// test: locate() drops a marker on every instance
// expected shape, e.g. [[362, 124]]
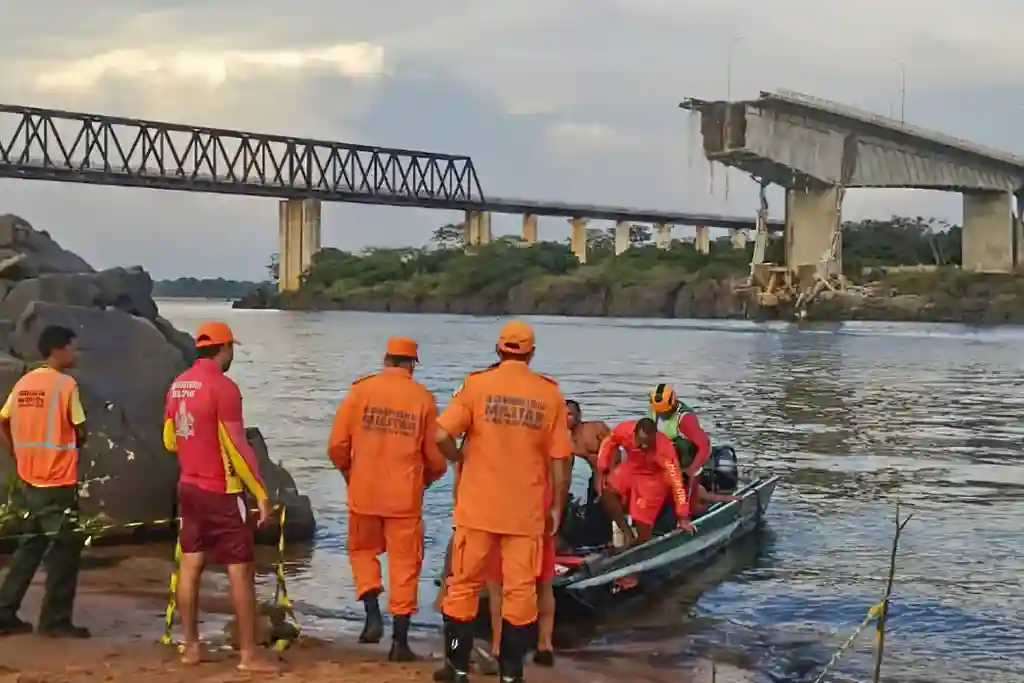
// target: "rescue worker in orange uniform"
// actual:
[[515, 424], [42, 425], [645, 479], [203, 424], [383, 441]]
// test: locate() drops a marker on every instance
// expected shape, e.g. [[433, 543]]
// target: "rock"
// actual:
[[42, 254], [299, 520], [128, 356]]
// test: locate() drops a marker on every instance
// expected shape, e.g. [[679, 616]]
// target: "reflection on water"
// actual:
[[855, 417]]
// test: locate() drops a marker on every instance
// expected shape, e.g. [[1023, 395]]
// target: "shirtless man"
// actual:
[[586, 436]]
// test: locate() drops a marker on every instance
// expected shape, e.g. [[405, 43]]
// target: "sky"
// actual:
[[565, 101]]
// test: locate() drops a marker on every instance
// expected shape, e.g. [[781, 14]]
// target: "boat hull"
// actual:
[[608, 584]]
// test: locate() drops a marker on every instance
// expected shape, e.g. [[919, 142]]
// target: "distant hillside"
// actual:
[[217, 288]]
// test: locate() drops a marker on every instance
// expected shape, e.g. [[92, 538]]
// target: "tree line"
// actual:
[[205, 288], [446, 267]]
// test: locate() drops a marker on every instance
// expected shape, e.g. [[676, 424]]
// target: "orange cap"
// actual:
[[516, 337], [404, 347], [214, 334]]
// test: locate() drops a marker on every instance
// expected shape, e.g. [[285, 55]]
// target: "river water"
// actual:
[[855, 417]]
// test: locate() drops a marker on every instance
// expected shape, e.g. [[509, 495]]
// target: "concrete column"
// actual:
[[811, 221], [988, 232], [578, 241], [738, 238], [621, 237], [662, 235], [485, 227], [299, 225], [529, 228], [478, 228], [702, 242]]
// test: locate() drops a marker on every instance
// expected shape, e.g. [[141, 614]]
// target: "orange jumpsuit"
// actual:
[[383, 441], [646, 477], [515, 422]]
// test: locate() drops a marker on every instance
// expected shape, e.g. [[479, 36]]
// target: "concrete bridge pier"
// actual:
[[702, 240], [299, 224], [578, 238], [621, 237], [989, 232], [811, 221], [738, 238], [662, 235], [478, 228], [529, 228]]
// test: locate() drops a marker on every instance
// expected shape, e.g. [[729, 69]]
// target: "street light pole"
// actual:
[[728, 95], [903, 92], [728, 66]]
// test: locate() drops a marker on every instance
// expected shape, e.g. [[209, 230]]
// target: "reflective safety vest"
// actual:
[[670, 428], [45, 443]]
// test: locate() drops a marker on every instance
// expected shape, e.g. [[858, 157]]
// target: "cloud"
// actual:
[[358, 60], [583, 139]]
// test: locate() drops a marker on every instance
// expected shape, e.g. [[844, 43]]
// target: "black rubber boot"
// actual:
[[458, 649], [373, 630], [514, 641], [544, 658], [400, 650]]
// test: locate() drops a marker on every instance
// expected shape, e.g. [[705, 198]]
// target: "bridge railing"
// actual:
[[49, 144]]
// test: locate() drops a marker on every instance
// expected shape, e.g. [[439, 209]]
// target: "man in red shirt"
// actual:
[[203, 424], [644, 479]]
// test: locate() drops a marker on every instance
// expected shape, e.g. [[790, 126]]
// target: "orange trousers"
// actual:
[[402, 539], [471, 559]]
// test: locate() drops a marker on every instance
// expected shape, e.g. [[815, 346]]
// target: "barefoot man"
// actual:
[[203, 424]]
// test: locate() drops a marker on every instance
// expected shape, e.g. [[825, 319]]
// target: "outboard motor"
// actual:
[[721, 473]]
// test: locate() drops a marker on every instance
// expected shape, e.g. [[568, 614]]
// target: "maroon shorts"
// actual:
[[216, 524]]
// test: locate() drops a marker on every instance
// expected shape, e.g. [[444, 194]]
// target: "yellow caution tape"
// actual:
[[873, 614], [280, 595]]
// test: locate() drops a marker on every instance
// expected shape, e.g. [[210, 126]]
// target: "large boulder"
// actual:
[[128, 357]]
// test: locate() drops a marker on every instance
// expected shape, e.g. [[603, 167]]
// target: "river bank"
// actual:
[[121, 600], [948, 296]]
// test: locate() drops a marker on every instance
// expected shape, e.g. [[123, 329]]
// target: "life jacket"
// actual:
[[670, 428]]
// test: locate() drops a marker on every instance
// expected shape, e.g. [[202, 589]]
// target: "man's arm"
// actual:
[[6, 439], [560, 457], [434, 462], [339, 443], [599, 431], [453, 422], [605, 452], [689, 427], [665, 453], [231, 431], [76, 413]]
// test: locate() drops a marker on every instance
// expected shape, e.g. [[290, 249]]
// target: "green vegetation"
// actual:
[[446, 269], [217, 288]]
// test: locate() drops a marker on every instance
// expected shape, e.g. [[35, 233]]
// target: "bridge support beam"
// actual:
[[621, 237], [811, 220], [578, 238], [702, 240], [299, 223], [738, 238], [988, 237], [662, 235], [529, 228], [478, 228]]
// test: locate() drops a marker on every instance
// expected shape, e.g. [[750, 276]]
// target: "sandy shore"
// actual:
[[122, 602]]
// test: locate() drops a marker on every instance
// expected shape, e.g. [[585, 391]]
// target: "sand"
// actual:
[[123, 601]]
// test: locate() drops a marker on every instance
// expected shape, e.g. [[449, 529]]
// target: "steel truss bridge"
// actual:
[[74, 147]]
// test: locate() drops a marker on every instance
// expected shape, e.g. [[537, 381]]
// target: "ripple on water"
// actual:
[[854, 416]]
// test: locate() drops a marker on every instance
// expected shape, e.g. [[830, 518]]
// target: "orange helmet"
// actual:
[[663, 399]]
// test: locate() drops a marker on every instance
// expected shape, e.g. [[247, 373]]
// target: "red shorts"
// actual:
[[644, 492], [547, 562], [216, 524]]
